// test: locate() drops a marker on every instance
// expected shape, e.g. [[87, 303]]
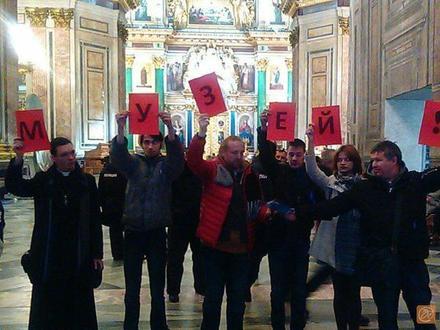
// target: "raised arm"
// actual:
[[203, 169], [14, 181], [314, 172], [175, 160], [266, 148], [120, 157]]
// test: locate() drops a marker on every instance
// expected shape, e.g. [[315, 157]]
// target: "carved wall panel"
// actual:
[[320, 76]]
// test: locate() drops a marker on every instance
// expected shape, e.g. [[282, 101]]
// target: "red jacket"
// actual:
[[217, 193]]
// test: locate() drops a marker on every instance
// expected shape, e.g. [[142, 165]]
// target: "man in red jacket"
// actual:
[[230, 206]]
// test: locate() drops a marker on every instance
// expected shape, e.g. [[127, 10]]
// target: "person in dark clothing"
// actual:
[[290, 243], [394, 238], [111, 193], [230, 206], [187, 190], [147, 212], [261, 232], [66, 246]]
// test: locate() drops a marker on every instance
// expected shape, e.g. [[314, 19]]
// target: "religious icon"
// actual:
[[275, 81], [178, 121], [245, 131], [247, 78], [141, 13]]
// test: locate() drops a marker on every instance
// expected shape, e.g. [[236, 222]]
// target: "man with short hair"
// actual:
[[230, 206], [146, 214], [66, 245], [289, 242], [394, 236]]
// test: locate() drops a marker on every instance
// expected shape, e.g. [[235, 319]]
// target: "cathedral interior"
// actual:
[[78, 60]]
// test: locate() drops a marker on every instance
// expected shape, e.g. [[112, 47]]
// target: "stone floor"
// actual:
[[15, 289]]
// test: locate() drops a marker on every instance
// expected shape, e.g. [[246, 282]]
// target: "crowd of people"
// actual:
[[370, 223]]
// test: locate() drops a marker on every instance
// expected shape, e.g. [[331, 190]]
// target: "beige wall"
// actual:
[[393, 45]]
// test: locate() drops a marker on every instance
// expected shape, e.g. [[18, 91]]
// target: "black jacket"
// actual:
[[292, 187], [70, 204], [376, 200], [186, 195], [111, 194]]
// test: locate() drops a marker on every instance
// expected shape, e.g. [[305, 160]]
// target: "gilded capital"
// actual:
[[129, 60], [37, 16], [344, 24], [262, 64], [294, 37], [61, 17], [158, 62], [289, 63], [122, 32]]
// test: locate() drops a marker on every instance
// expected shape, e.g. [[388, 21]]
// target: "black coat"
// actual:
[[75, 232], [376, 201], [111, 194], [292, 187], [186, 195]]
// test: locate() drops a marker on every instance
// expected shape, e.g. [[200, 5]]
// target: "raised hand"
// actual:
[[18, 148], [166, 119], [203, 125], [264, 117], [121, 119]]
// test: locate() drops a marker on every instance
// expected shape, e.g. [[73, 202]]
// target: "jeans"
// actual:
[[230, 271], [288, 266], [137, 245], [179, 237], [347, 301], [412, 278]]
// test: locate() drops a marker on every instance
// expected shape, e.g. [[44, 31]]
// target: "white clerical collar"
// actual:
[[63, 173]]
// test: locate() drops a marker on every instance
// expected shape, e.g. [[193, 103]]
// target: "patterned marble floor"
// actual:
[[15, 289]]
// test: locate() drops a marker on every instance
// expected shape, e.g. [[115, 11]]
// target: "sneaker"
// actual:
[[173, 298], [364, 321]]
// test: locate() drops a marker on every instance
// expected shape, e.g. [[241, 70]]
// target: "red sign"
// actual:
[[430, 130], [31, 129], [281, 121], [327, 125], [208, 95], [144, 113]]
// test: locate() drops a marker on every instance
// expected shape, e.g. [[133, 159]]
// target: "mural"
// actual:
[[141, 13], [175, 72], [211, 12], [275, 79], [246, 75], [179, 124], [277, 14], [246, 129]]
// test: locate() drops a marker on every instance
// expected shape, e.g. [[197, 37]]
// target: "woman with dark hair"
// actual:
[[337, 241]]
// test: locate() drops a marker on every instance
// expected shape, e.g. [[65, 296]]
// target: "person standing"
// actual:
[[336, 242], [394, 235], [65, 257], [230, 206], [290, 242], [187, 190], [111, 192], [146, 214]]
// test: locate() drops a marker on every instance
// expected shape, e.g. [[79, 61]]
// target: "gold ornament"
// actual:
[[61, 17], [344, 24], [37, 16], [262, 64], [158, 62]]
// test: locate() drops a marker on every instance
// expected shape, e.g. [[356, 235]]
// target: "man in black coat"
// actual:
[[66, 246], [394, 236], [111, 193], [289, 243], [187, 191]]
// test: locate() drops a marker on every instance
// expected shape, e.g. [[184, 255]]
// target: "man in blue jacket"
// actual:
[[147, 212]]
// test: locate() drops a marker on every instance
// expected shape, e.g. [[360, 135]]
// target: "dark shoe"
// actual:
[[248, 296], [364, 321], [173, 298]]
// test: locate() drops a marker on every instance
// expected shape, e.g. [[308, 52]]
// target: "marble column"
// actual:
[[343, 88], [262, 85], [129, 60], [62, 71], [159, 65], [8, 68], [289, 64], [37, 18]]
